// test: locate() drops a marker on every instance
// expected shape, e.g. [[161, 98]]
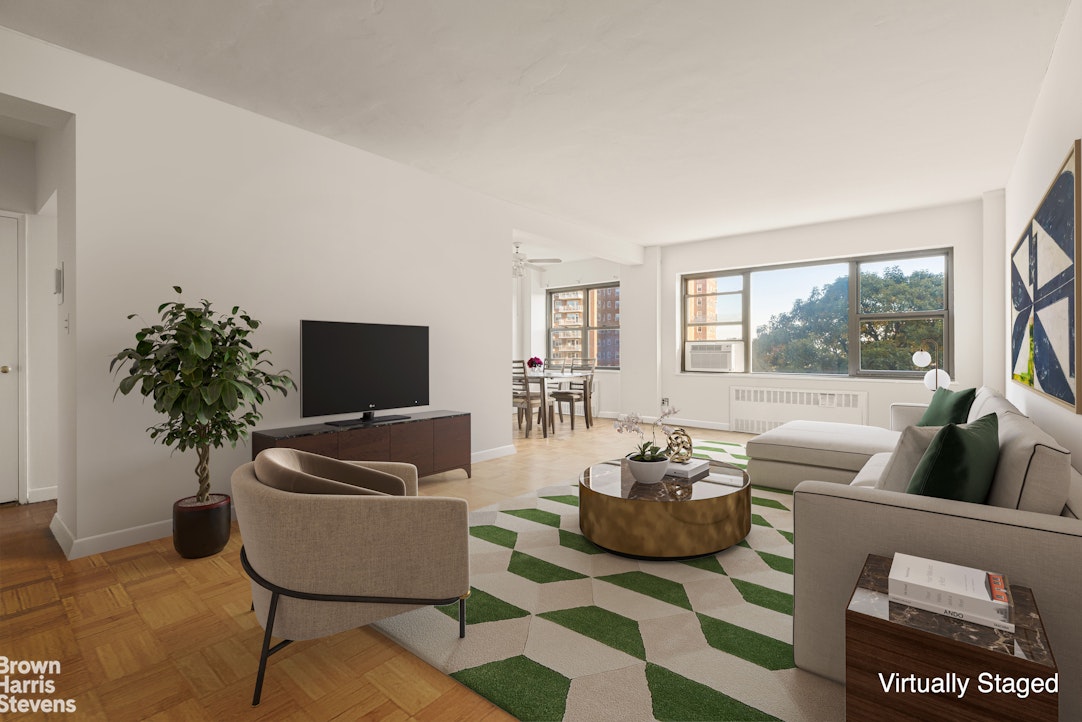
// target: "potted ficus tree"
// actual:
[[207, 379]]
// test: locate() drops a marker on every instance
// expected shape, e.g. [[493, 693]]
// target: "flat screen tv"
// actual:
[[362, 367]]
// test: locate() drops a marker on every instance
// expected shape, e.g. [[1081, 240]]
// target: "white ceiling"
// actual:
[[654, 121]]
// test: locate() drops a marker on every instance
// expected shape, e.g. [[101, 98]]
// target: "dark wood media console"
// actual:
[[433, 441]]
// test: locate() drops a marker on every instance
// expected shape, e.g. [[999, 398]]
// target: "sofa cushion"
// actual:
[[822, 443], [907, 454], [960, 462], [1034, 472], [948, 407], [989, 401]]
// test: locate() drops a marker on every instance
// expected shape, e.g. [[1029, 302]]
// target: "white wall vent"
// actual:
[[714, 356], [754, 410]]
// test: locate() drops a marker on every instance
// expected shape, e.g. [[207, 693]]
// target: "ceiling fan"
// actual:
[[519, 262]]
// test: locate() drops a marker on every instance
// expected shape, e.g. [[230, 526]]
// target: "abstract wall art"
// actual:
[[1045, 291]]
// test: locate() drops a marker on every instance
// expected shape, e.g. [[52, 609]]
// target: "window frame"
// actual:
[[584, 329], [855, 317]]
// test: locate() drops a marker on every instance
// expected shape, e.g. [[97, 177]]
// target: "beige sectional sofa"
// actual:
[[1029, 529]]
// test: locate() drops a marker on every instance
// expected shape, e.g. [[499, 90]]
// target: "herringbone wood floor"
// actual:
[[142, 634]]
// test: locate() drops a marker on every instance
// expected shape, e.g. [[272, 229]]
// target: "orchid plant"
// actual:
[[646, 450]]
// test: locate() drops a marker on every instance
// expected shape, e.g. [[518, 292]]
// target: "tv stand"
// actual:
[[433, 441], [367, 419]]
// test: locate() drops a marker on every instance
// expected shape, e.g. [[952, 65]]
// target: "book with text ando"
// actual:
[[965, 593]]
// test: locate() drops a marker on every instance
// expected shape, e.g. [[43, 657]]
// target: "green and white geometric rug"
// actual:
[[727, 451], [559, 629]]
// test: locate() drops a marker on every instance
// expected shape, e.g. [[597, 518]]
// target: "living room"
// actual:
[[153, 186]]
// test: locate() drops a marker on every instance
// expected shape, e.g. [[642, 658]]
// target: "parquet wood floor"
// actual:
[[142, 634]]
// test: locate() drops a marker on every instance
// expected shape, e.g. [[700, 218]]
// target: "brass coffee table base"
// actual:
[[680, 528]]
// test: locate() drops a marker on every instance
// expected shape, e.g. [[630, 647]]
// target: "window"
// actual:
[[585, 323], [861, 316]]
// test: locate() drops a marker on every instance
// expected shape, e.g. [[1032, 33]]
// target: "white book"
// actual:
[[955, 614], [723, 479], [689, 468], [952, 589]]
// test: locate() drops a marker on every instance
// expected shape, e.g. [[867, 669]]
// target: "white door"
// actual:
[[9, 356]]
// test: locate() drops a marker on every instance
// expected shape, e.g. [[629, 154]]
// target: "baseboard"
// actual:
[[62, 535], [112, 540], [47, 493], [489, 454], [715, 425], [674, 421]]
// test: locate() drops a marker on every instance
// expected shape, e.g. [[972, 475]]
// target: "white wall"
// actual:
[[703, 399], [1056, 122], [177, 189], [18, 180]]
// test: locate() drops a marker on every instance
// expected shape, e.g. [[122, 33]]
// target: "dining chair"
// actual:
[[577, 390], [528, 393], [556, 364]]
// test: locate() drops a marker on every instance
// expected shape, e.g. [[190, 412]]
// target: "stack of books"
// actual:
[[693, 469], [971, 595]]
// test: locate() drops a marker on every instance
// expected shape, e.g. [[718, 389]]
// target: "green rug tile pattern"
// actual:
[[560, 629], [578, 542], [526, 689], [495, 534], [679, 698], [537, 515], [651, 586], [569, 499], [603, 626], [540, 571], [746, 644], [483, 607], [710, 564]]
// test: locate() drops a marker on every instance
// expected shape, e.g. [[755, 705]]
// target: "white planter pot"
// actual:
[[648, 472]]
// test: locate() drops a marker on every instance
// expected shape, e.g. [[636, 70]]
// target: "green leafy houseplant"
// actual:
[[204, 376]]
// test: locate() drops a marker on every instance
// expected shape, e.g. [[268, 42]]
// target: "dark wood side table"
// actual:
[[883, 638]]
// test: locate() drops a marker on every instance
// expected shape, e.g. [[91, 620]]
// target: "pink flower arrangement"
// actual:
[[535, 363]]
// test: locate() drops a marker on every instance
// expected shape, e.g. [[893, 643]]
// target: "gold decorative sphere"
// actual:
[[679, 445]]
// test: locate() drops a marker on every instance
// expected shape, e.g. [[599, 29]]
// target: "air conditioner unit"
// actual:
[[714, 356]]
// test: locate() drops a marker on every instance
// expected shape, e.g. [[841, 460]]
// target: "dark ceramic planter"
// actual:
[[200, 530]]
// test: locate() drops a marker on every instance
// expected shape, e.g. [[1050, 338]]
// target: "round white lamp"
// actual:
[[937, 377]]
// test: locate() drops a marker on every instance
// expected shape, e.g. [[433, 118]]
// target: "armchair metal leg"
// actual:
[[267, 649], [462, 615]]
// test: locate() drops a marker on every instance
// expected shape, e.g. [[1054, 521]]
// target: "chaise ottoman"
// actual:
[[821, 450]]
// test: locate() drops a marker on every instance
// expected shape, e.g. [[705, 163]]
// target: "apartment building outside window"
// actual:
[[858, 317], [584, 322]]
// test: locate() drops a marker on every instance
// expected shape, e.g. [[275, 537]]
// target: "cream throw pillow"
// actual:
[[907, 454]]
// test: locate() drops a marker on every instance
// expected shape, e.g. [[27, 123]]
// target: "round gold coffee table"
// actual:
[[673, 519]]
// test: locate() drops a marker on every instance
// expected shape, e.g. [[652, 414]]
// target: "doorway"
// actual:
[[9, 359]]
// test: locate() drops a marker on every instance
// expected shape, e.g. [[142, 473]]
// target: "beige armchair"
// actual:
[[332, 545]]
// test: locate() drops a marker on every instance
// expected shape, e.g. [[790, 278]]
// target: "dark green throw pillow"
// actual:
[[960, 462], [948, 407]]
